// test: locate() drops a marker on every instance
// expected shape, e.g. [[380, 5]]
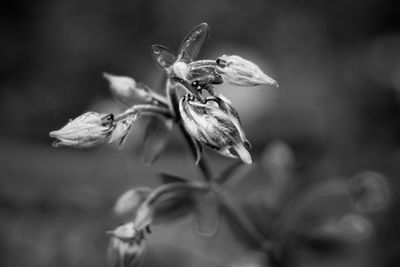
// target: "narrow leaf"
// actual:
[[169, 178], [164, 57], [155, 139], [207, 211], [192, 43], [229, 173]]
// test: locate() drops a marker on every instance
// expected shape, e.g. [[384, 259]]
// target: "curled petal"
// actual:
[[85, 131], [192, 43], [242, 72], [164, 57]]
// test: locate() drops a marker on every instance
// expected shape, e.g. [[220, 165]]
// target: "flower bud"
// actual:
[[213, 127], [126, 89], [242, 72], [87, 130], [125, 253]]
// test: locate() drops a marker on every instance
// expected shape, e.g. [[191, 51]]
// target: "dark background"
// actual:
[[338, 107]]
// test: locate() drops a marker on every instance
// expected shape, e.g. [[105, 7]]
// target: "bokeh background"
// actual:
[[338, 108]]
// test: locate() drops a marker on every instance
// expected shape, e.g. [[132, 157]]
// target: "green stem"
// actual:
[[144, 110]]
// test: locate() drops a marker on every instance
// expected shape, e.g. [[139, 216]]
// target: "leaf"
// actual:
[[155, 138], [164, 57], [192, 43], [278, 161], [369, 192], [319, 202], [168, 178], [175, 205], [121, 131], [207, 211], [228, 174], [131, 200]]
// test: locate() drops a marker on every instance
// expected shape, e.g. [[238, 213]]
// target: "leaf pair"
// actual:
[[188, 50]]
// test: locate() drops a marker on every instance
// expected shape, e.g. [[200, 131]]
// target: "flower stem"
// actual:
[[144, 110]]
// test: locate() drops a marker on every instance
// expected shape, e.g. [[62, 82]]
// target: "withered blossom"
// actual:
[[213, 127], [87, 130]]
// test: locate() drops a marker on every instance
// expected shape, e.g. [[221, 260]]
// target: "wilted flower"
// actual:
[[87, 130], [242, 72], [126, 246], [213, 127]]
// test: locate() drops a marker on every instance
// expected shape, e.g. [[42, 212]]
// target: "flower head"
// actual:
[[213, 126], [87, 130], [242, 72], [126, 246]]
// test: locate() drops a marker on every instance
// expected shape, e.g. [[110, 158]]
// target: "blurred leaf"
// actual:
[[369, 191], [351, 227], [325, 200], [155, 138], [207, 211], [164, 57], [192, 43], [233, 173], [278, 161], [131, 200], [169, 178], [175, 205]]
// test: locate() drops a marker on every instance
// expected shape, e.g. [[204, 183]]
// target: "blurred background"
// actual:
[[338, 108]]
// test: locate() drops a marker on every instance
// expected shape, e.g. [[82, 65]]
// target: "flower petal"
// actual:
[[164, 57], [192, 43]]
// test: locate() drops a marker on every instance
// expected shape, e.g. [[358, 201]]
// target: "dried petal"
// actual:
[[242, 72], [192, 43], [85, 131]]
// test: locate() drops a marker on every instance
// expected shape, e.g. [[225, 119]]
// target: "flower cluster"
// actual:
[[206, 118], [191, 100]]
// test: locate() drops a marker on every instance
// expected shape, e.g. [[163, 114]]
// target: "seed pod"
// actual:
[[213, 127], [87, 130], [242, 72]]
